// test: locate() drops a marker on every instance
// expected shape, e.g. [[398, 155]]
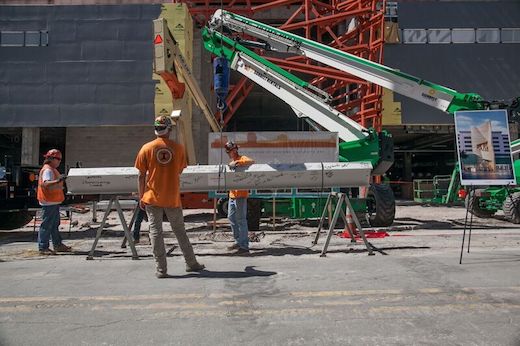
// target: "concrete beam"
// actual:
[[123, 180]]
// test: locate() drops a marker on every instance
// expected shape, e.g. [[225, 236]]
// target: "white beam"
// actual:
[[123, 180]]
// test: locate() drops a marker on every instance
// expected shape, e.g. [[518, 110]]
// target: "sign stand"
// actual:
[[341, 200], [115, 201], [470, 192]]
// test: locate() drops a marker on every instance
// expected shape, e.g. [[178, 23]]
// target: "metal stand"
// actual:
[[342, 199], [114, 200], [471, 189], [131, 224]]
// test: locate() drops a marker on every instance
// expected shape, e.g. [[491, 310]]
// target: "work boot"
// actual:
[[161, 275], [241, 252], [47, 252], [233, 247], [195, 268], [62, 248]]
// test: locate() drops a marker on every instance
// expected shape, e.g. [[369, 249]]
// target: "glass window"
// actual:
[[32, 38], [12, 38], [391, 11], [439, 36], [488, 35], [463, 35], [414, 36], [510, 35]]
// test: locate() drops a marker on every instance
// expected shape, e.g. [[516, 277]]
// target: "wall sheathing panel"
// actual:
[[95, 70]]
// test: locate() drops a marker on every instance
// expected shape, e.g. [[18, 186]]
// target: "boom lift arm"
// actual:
[[306, 101], [437, 96]]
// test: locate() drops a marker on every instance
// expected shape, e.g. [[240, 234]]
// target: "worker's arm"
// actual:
[[243, 161], [141, 188], [49, 179]]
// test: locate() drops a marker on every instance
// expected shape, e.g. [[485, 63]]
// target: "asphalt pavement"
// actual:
[[413, 291]]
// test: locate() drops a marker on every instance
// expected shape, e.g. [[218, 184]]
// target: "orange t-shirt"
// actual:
[[242, 161], [163, 160]]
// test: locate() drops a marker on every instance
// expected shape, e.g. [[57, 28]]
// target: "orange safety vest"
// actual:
[[53, 193]]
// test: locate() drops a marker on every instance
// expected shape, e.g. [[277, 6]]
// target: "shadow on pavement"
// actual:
[[249, 271]]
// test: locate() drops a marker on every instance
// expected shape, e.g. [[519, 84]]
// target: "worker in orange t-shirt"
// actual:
[[237, 206], [160, 164]]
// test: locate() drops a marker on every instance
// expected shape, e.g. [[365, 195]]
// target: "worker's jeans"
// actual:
[[137, 224], [49, 228], [237, 215], [174, 215]]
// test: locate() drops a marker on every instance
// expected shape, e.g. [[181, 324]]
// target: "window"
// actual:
[[488, 35], [24, 38], [415, 36], [12, 38], [391, 11], [439, 36], [510, 35], [463, 35]]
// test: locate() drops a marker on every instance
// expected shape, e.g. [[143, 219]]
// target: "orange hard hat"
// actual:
[[53, 153]]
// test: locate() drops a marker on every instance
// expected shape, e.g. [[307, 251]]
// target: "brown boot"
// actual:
[[195, 268], [47, 252], [62, 248], [233, 247]]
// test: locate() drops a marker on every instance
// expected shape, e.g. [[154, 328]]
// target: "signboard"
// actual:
[[276, 147], [484, 148]]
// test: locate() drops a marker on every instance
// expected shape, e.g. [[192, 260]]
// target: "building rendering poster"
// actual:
[[484, 148]]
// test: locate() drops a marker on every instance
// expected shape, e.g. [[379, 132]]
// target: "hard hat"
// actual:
[[230, 146], [53, 153], [162, 125]]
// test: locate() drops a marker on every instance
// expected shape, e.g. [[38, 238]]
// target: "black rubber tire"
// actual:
[[222, 207], [511, 208], [254, 213], [472, 204], [14, 220], [380, 205]]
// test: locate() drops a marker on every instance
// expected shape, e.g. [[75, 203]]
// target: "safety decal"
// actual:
[[164, 156]]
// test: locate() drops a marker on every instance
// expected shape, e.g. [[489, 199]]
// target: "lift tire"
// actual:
[[14, 220], [473, 206], [254, 213], [381, 205], [222, 207], [511, 208]]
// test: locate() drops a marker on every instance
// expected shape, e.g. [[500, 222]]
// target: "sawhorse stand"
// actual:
[[114, 200], [342, 200]]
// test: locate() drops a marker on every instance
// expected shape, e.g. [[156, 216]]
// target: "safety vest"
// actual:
[[53, 193]]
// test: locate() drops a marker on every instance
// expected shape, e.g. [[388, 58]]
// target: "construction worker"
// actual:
[[50, 195], [237, 206], [160, 164]]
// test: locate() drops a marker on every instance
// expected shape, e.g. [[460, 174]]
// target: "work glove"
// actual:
[[232, 165], [62, 178]]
